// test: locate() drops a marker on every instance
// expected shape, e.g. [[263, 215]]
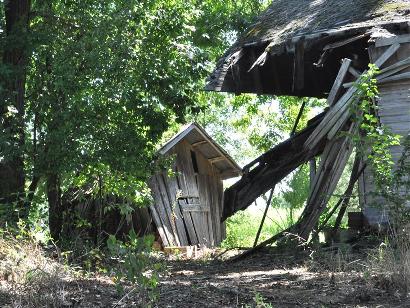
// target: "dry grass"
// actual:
[[28, 277], [389, 265]]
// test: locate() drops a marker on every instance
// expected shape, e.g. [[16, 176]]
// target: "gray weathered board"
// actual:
[[187, 206], [393, 112]]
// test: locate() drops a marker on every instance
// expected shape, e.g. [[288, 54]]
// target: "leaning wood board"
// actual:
[[160, 210]]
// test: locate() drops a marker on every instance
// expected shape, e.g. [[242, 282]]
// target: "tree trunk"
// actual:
[[55, 215], [12, 110]]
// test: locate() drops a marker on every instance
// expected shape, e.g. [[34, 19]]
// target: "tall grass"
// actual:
[[242, 227]]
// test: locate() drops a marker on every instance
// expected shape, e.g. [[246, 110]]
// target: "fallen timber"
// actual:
[[336, 149], [270, 168]]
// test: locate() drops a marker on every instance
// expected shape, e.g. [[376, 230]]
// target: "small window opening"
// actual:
[[194, 162]]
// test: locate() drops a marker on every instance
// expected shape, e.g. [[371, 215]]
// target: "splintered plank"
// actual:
[[336, 114], [333, 162], [337, 85]]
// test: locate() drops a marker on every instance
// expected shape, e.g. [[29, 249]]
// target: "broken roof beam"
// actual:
[[333, 162], [272, 167], [336, 88], [336, 117]]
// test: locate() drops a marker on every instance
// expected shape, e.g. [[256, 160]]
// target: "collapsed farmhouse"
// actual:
[[320, 49]]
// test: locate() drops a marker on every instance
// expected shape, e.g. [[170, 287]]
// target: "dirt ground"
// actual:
[[269, 277], [281, 280]]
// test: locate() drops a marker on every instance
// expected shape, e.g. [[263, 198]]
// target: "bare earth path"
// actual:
[[281, 280], [269, 277]]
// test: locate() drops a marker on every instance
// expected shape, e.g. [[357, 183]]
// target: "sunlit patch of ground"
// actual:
[[281, 280]]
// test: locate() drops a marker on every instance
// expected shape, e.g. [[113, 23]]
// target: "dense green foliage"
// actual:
[[104, 80]]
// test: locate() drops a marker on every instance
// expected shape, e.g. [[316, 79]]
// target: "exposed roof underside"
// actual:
[[307, 25], [195, 135]]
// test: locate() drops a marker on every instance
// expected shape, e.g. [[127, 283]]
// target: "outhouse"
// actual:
[[187, 203]]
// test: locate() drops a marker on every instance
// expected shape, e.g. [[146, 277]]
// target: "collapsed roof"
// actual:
[[291, 49]]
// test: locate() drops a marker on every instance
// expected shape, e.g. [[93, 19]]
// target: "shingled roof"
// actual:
[[272, 42]]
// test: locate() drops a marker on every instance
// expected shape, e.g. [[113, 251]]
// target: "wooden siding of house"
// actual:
[[393, 112], [187, 207]]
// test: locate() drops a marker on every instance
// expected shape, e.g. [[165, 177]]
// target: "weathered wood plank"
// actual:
[[394, 66], [345, 42], [299, 67], [387, 54], [184, 151], [195, 207], [160, 207], [337, 110], [355, 73], [398, 77], [386, 41], [173, 192], [204, 187], [334, 160], [167, 210], [336, 88], [193, 238], [216, 213], [159, 225], [338, 125]]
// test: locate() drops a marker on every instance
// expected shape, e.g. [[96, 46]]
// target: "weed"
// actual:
[[134, 265]]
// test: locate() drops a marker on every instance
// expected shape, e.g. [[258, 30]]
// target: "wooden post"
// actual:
[[263, 217], [312, 173], [295, 126]]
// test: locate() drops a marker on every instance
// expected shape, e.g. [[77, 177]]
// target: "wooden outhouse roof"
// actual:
[[310, 25], [198, 138]]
